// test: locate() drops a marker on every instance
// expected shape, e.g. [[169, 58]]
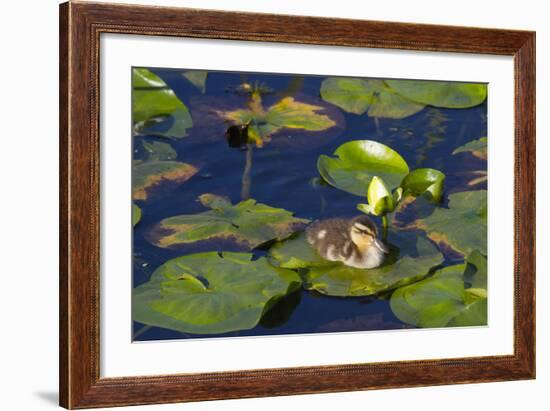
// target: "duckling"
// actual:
[[354, 241]]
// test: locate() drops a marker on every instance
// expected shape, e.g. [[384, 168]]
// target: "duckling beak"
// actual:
[[381, 246]]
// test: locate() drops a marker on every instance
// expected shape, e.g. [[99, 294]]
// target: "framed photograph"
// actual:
[[259, 205]]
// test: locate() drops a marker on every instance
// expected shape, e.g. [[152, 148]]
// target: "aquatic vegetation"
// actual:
[[446, 94], [211, 293], [248, 223], [478, 148], [136, 214], [462, 226], [368, 167], [371, 96], [454, 296], [158, 151], [197, 78], [411, 262], [154, 102], [152, 173]]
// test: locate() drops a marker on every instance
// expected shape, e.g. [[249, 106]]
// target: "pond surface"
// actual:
[[283, 175]]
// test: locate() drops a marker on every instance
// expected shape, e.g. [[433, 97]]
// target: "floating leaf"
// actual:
[[248, 223], [136, 214], [357, 162], [424, 181], [478, 148], [440, 301], [462, 226], [447, 94], [370, 96], [159, 151], [286, 113], [149, 174], [211, 293], [153, 101], [197, 78], [408, 264], [475, 275]]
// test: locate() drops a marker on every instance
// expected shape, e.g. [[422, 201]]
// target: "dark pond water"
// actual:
[[282, 177]]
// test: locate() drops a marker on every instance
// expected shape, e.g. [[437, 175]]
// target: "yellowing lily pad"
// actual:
[[285, 114], [355, 163], [448, 94], [154, 102], [478, 148], [248, 223], [370, 96], [150, 174], [443, 300], [136, 214], [408, 265], [463, 225], [211, 293]]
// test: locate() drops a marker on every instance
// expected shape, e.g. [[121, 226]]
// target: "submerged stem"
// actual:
[[246, 181], [384, 226]]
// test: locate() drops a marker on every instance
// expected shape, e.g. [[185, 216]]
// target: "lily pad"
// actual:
[[286, 113], [440, 301], [136, 214], [295, 252], [426, 181], [149, 174], [197, 78], [462, 226], [370, 96], [154, 102], [211, 293], [159, 151], [447, 94], [248, 223], [478, 148], [410, 263], [357, 162]]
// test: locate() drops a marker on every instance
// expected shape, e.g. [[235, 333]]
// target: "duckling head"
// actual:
[[364, 234]]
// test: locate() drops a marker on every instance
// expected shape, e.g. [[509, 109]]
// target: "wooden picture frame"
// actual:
[[80, 27]]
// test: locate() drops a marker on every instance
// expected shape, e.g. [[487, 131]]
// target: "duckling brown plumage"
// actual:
[[351, 241]]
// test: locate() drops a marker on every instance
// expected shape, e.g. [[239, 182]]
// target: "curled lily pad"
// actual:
[[136, 214], [409, 266], [355, 163], [442, 300], [149, 174], [248, 223], [447, 94], [370, 96], [424, 181], [211, 293], [478, 148], [158, 151], [462, 226], [197, 78], [287, 113], [153, 102]]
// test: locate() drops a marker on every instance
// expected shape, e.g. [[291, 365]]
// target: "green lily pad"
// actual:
[[357, 162], [149, 174], [159, 151], [440, 301], [248, 223], [462, 226], [447, 94], [424, 181], [136, 214], [197, 78], [153, 102], [403, 266], [295, 252], [478, 148], [370, 96], [475, 275], [286, 113], [211, 293]]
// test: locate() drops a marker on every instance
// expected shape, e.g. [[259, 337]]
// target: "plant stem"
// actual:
[[246, 181], [385, 226]]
